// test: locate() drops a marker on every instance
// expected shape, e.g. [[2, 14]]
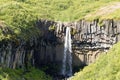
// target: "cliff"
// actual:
[[89, 39], [105, 65]]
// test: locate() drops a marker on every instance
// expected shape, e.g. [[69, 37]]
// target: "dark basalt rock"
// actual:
[[89, 39]]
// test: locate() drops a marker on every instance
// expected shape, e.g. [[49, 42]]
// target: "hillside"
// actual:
[[60, 10], [107, 67], [32, 35], [20, 16], [19, 74]]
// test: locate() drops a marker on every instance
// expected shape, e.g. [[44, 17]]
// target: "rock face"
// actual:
[[89, 39]]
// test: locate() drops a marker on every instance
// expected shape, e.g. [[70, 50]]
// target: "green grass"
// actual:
[[18, 74], [113, 15], [107, 67], [20, 16], [18, 20]]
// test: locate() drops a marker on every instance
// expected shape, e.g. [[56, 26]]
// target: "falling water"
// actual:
[[67, 59]]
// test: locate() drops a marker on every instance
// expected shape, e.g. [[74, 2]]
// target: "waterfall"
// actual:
[[67, 58]]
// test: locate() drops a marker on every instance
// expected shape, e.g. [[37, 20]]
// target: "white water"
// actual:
[[67, 58]]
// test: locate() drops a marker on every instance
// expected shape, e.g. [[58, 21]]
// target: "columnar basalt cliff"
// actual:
[[93, 38], [89, 39]]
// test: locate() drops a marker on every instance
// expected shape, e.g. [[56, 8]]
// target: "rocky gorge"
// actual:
[[89, 40]]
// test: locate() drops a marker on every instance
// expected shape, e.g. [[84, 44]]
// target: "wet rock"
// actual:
[[89, 39]]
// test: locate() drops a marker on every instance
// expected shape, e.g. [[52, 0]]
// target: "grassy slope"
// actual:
[[107, 67], [20, 15], [17, 74]]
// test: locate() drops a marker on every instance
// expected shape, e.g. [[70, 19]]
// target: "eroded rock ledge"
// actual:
[[89, 39]]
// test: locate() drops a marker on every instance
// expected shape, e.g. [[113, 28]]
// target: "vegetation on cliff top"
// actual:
[[20, 16], [107, 67]]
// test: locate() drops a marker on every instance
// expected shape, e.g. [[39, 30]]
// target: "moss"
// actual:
[[52, 27], [100, 23], [19, 74], [73, 31]]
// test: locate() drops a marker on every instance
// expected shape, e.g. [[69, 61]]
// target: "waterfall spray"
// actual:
[[67, 58]]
